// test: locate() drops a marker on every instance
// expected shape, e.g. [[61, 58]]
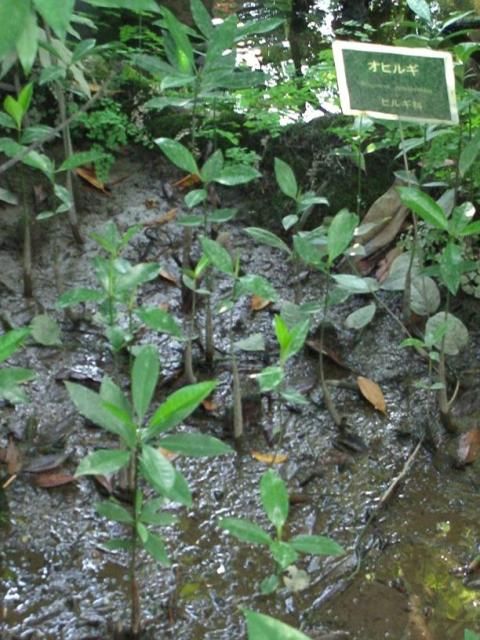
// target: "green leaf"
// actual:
[[217, 216], [283, 553], [144, 379], [460, 218], [82, 49], [201, 17], [254, 342], [111, 394], [138, 6], [252, 27], [177, 407], [52, 74], [114, 511], [262, 627], [425, 296], [159, 320], [76, 296], [340, 233], [298, 335], [56, 14], [27, 43], [14, 17], [316, 545], [254, 284], [14, 110], [274, 498], [269, 378], [361, 317], [268, 586], [292, 396], [10, 378], [267, 237], [178, 154], [132, 276], [119, 544], [471, 229], [424, 206], [282, 333], [233, 175], [212, 168], [445, 328], [11, 341], [46, 331], [180, 491], [218, 255], [286, 178], [451, 261], [80, 158], [245, 530], [356, 284], [156, 469], [421, 9], [155, 546], [195, 197], [196, 445], [181, 52], [103, 462], [90, 405], [469, 154], [470, 635]]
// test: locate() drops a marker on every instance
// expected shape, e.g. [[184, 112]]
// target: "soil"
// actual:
[[403, 573]]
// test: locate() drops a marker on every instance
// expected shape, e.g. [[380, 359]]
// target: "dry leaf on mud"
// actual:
[[89, 176], [372, 392], [165, 275], [13, 458], [269, 458], [151, 203], [258, 303], [50, 480], [209, 405], [468, 447], [192, 180], [170, 215]]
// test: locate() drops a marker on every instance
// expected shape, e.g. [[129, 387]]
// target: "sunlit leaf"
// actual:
[[285, 178], [269, 458], [144, 378], [424, 206]]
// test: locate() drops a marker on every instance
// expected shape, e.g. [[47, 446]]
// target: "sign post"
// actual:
[[395, 83]]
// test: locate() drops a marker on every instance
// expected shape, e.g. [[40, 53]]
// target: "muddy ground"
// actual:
[[58, 580]]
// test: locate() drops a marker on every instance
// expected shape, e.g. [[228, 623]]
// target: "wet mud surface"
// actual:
[[58, 580]]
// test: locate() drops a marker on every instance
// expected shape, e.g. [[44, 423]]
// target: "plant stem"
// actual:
[[325, 390], [135, 620]]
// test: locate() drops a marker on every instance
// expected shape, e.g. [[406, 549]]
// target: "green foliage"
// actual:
[[12, 377], [262, 627], [275, 503]]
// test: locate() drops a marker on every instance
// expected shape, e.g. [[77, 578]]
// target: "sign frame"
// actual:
[[346, 99]]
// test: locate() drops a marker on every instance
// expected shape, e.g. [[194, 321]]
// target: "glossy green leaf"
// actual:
[[267, 237], [138, 6], [133, 276], [81, 158], [445, 329], [195, 444], [178, 406], [340, 233], [286, 178], [103, 462], [262, 627], [156, 469], [298, 335], [45, 331], [356, 284], [421, 8], [233, 175], [181, 53], [8, 196], [27, 43], [111, 394], [90, 405], [178, 154], [114, 511], [195, 197], [14, 110], [56, 14], [471, 229], [283, 553], [424, 206], [269, 585], [11, 341], [218, 255], [245, 530], [217, 216], [316, 545], [159, 320], [254, 284], [254, 342], [292, 396], [451, 261], [10, 378], [424, 296], [76, 296], [14, 16], [212, 168], [361, 317], [155, 546], [82, 49], [269, 378], [180, 492], [201, 17], [145, 372], [469, 154], [274, 498]]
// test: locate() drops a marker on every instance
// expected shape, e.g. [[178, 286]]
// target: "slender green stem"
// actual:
[[325, 390]]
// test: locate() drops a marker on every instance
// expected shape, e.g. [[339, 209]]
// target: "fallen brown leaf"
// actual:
[[13, 458], [269, 458], [469, 446], [164, 275], [192, 180], [209, 405], [89, 176], [372, 392], [258, 303], [50, 480], [170, 215]]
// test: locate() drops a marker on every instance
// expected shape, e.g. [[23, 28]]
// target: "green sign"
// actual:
[[395, 83]]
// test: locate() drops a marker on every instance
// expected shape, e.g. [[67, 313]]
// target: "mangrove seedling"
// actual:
[[141, 457], [284, 552], [12, 377]]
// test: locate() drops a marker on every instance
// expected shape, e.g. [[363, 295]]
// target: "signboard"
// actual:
[[395, 83]]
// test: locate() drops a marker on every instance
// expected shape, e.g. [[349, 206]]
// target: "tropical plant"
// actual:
[[141, 458], [284, 552], [12, 377], [263, 627]]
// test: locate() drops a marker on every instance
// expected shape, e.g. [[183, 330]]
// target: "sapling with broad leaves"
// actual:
[[284, 551], [140, 456], [445, 331], [263, 627]]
